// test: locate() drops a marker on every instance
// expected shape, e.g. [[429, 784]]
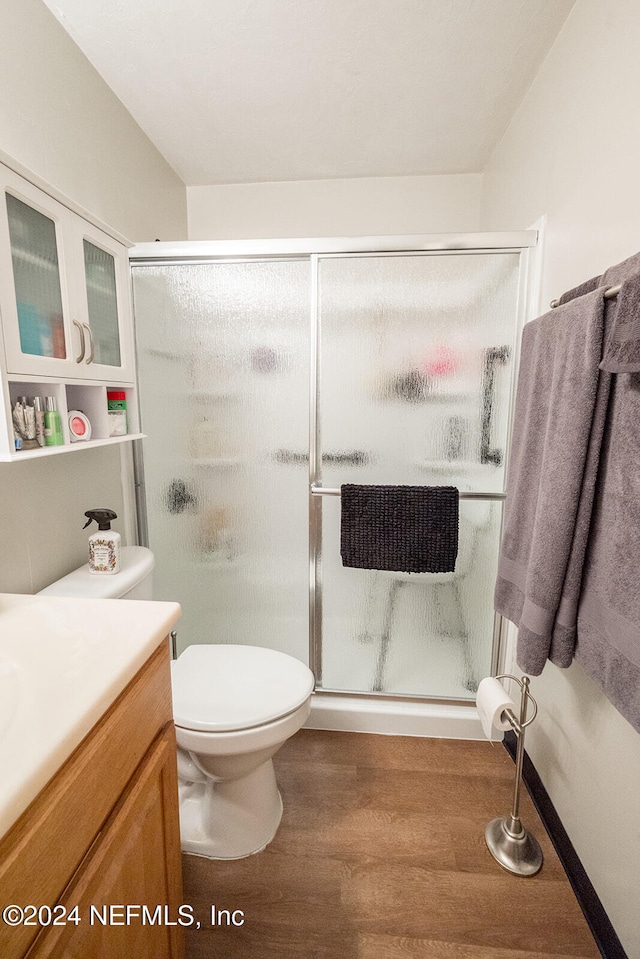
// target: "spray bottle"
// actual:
[[104, 546]]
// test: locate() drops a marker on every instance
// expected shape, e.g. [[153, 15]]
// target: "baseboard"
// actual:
[[603, 932]]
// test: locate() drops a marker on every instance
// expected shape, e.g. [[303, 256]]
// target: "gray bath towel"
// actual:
[[558, 424], [564, 634], [405, 528], [608, 645], [587, 287], [622, 348]]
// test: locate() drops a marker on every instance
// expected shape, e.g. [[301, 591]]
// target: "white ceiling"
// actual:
[[234, 91]]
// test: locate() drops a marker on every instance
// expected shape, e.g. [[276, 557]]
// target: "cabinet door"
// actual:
[[34, 295], [101, 272], [64, 290], [135, 862]]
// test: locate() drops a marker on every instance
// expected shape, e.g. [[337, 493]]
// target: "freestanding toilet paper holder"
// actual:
[[509, 842]]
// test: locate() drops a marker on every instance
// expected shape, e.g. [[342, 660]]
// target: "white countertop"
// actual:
[[63, 662]]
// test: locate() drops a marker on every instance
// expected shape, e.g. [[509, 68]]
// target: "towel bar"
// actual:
[[608, 295], [335, 491]]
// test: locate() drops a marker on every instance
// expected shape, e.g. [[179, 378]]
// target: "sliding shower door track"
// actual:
[[416, 698]]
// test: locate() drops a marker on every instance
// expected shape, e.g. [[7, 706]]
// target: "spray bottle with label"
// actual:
[[104, 546]]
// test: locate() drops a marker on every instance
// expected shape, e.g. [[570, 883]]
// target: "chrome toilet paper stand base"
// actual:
[[509, 842]]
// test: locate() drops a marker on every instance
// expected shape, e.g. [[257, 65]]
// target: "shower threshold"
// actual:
[[394, 717]]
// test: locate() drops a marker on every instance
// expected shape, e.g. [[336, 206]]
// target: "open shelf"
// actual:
[[22, 455], [90, 399]]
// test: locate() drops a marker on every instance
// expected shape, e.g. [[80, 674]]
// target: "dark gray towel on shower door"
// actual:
[[404, 528], [558, 425]]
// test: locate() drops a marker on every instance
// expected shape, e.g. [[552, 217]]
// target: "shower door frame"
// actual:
[[316, 249]]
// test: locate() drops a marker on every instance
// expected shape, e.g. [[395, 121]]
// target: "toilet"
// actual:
[[234, 706]]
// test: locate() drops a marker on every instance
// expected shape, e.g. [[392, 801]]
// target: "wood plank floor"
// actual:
[[381, 855]]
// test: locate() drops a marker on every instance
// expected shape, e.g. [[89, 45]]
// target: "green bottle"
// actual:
[[52, 424]]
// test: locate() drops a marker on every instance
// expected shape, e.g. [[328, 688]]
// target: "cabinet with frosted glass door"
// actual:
[[64, 290]]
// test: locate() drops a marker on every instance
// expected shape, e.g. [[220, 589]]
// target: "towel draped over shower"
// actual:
[[412, 529], [568, 571]]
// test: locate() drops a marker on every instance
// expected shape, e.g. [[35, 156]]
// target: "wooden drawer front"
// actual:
[[44, 848]]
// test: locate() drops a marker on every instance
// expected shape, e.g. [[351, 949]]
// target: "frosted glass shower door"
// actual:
[[414, 370], [224, 379]]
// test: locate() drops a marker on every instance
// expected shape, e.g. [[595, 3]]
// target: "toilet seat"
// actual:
[[224, 687]]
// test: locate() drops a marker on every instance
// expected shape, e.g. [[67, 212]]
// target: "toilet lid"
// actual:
[[218, 688]]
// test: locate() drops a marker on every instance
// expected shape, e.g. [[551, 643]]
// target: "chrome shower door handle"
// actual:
[[492, 357], [91, 345], [80, 358]]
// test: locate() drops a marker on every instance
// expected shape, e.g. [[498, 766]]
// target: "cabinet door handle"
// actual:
[[91, 354], [80, 358]]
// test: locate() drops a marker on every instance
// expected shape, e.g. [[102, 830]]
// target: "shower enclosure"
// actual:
[[272, 373]]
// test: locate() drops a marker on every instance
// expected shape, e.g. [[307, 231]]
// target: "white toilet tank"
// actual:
[[134, 581]]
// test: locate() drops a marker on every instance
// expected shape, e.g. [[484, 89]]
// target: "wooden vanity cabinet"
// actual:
[[104, 835]]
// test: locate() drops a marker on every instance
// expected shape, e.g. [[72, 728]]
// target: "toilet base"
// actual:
[[230, 819]]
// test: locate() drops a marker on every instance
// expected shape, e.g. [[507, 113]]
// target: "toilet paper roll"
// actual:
[[492, 699]]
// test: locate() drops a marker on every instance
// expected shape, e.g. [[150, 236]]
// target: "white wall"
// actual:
[[370, 206], [60, 120], [571, 152]]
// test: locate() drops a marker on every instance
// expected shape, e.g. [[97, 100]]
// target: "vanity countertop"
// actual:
[[63, 662]]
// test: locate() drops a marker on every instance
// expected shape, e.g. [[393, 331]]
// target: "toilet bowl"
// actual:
[[234, 706]]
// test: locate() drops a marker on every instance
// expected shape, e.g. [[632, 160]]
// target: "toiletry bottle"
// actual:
[[39, 408], [52, 424], [104, 546], [117, 410]]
